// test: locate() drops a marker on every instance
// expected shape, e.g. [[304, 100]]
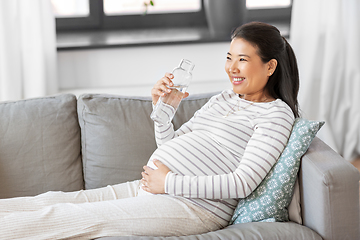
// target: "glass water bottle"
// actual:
[[167, 105]]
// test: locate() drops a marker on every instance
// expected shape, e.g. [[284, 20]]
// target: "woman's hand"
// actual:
[[153, 180], [161, 88]]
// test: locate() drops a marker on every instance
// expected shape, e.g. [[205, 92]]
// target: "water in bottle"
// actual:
[[167, 105]]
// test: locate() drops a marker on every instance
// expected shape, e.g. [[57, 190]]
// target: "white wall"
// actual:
[[134, 70]]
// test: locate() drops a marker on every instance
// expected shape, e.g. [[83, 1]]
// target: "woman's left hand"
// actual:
[[153, 180]]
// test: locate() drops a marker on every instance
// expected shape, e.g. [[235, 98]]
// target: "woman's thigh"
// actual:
[[153, 215], [158, 215]]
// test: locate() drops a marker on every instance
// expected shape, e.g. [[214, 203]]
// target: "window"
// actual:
[[70, 8], [128, 7], [269, 10], [129, 14], [257, 4]]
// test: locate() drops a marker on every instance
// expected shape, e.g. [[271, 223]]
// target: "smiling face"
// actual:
[[247, 72]]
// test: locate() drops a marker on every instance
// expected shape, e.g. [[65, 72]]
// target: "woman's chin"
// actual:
[[237, 90]]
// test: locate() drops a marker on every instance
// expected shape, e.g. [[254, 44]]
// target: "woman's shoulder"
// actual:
[[275, 114], [279, 104], [278, 109]]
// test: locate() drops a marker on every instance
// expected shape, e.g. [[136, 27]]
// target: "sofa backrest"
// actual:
[[39, 146], [118, 135]]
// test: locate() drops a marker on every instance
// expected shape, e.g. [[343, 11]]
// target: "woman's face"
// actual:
[[247, 72]]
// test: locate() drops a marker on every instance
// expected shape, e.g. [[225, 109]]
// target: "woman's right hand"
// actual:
[[160, 89]]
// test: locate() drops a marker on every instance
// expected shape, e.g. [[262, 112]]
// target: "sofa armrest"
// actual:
[[329, 187]]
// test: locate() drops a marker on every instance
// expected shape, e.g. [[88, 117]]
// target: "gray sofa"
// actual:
[[64, 143]]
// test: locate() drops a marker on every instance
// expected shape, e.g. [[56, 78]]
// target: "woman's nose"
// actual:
[[233, 68]]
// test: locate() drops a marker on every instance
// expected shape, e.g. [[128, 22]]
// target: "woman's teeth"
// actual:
[[238, 79]]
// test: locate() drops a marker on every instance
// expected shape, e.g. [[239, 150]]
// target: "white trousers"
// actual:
[[110, 211]]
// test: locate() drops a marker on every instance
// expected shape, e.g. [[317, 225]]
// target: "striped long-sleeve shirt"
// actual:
[[224, 151]]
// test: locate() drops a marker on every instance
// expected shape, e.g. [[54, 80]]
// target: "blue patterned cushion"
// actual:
[[270, 200]]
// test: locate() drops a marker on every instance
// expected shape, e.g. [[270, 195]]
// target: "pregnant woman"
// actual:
[[194, 179]]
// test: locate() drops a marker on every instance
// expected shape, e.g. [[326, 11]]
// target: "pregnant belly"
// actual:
[[195, 154]]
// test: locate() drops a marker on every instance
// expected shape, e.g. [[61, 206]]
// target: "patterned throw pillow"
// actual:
[[270, 200]]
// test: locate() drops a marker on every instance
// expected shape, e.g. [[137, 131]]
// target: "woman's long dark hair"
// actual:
[[284, 82]]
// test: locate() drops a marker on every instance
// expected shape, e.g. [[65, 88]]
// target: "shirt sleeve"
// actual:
[[261, 153], [166, 132]]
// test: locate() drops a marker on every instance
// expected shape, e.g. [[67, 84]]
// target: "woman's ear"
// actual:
[[272, 64]]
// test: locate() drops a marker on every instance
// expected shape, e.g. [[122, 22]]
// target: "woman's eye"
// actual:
[[242, 59], [228, 58]]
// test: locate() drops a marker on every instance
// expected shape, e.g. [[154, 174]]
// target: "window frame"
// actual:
[[93, 21], [282, 14], [97, 20]]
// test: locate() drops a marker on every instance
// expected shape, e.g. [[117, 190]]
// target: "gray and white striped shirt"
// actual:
[[224, 151]]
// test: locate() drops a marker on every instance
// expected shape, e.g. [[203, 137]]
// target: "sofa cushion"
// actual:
[[40, 146], [118, 135], [244, 231], [270, 200]]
